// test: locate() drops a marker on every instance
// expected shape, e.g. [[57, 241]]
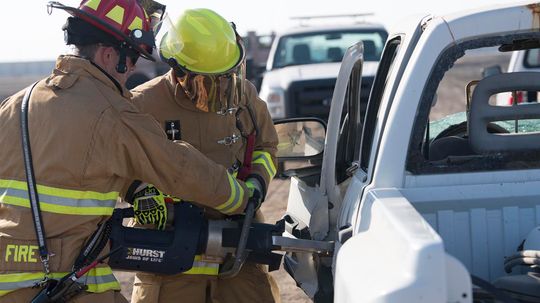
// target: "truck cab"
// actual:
[[304, 61], [430, 193]]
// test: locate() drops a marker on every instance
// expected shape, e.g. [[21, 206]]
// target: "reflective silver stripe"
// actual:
[[237, 192], [97, 279], [203, 268], [86, 279], [198, 264], [17, 285], [58, 200]]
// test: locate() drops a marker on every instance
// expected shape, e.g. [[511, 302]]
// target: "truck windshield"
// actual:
[[328, 46]]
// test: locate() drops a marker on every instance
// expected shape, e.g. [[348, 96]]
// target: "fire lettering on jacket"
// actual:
[[21, 253]]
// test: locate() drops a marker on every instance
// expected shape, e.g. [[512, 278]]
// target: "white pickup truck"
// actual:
[[304, 61], [428, 197]]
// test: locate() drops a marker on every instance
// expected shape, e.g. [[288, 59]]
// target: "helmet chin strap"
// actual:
[[121, 67], [176, 67]]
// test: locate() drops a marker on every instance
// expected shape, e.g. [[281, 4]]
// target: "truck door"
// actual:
[[309, 212], [396, 54]]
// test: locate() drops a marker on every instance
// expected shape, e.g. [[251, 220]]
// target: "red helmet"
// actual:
[[125, 20]]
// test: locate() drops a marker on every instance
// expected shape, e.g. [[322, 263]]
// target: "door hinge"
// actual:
[[354, 166]]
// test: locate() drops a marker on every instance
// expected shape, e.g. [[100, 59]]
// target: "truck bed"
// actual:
[[480, 224]]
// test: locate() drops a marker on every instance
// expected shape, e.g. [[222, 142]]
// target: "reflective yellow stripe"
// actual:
[[64, 193], [116, 14], [263, 158], [203, 268], [235, 199], [135, 24], [57, 200], [93, 4], [12, 282], [98, 280]]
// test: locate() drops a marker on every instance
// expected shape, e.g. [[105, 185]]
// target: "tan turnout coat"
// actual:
[[88, 144]]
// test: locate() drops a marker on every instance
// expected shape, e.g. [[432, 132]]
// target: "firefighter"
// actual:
[[87, 143], [205, 100]]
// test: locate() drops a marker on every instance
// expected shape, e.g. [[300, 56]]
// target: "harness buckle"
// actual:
[[229, 140], [228, 111]]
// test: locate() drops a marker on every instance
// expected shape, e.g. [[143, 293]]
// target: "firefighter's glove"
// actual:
[[255, 192], [149, 206]]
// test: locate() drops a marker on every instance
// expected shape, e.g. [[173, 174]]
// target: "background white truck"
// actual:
[[521, 61], [304, 61], [427, 189]]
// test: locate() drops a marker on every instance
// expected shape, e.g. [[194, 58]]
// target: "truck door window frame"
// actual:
[[357, 127], [385, 66], [350, 125]]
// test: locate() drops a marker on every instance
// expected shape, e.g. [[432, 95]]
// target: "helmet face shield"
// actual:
[[215, 93], [167, 38], [155, 12]]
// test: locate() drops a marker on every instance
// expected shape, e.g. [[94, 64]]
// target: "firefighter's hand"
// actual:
[[149, 206], [255, 192]]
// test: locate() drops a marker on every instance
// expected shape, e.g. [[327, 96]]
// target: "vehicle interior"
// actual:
[[511, 102]]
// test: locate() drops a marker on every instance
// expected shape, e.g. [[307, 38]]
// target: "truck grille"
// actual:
[[312, 98]]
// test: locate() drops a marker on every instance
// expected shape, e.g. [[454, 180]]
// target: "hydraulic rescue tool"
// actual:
[[230, 242]]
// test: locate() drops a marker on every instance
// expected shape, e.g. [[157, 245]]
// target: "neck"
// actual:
[[116, 83]]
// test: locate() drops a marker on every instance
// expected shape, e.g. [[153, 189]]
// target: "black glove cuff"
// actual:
[[262, 182], [130, 194]]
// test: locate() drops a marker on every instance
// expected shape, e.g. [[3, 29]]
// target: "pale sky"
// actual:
[[30, 34]]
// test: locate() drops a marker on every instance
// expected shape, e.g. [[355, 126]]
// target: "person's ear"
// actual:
[[110, 56], [106, 57]]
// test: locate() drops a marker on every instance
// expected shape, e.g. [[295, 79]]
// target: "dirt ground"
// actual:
[[273, 209]]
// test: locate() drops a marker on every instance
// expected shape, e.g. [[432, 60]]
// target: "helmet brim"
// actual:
[[104, 26]]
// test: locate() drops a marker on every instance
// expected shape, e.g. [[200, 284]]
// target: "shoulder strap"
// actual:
[[31, 181], [245, 170]]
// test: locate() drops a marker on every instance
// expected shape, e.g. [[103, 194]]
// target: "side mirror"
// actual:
[[300, 138]]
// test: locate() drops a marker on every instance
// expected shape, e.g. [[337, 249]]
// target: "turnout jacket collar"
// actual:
[[179, 96], [72, 65]]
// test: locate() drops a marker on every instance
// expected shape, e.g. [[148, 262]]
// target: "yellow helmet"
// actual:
[[202, 42]]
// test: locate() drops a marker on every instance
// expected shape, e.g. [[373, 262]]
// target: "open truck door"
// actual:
[[321, 185]]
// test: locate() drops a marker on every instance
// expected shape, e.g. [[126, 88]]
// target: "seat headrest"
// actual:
[[370, 50], [301, 54], [334, 54]]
